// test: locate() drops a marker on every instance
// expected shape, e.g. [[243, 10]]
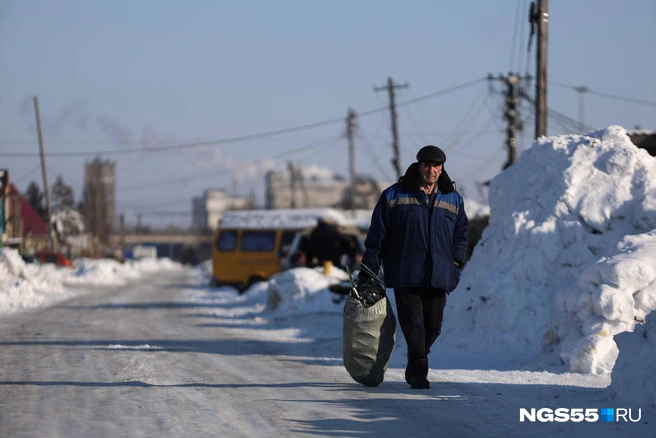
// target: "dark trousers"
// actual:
[[420, 311]]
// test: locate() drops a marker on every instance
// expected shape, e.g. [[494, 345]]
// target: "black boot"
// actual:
[[419, 382], [416, 372]]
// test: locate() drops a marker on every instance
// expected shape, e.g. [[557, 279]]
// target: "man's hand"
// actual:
[[363, 278]]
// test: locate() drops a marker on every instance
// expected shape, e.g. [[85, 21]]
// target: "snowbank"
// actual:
[[569, 257], [476, 209], [27, 286], [24, 287], [304, 290], [634, 375]]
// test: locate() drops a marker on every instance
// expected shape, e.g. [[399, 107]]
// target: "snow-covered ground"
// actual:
[[30, 285], [558, 292]]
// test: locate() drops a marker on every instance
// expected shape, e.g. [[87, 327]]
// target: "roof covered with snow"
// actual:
[[292, 218]]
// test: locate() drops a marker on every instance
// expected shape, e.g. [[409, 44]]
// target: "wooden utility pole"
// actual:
[[350, 130], [396, 161], [138, 228], [292, 184], [581, 90], [511, 115], [122, 230], [43, 172], [540, 19]]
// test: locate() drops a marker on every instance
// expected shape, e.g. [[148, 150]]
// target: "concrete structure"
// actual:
[[306, 190], [286, 191], [100, 197], [208, 209]]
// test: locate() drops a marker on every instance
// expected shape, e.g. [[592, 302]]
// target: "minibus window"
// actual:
[[258, 240], [227, 241], [287, 238]]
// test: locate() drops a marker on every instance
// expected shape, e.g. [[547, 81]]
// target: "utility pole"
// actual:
[[292, 184], [396, 161], [581, 90], [511, 115], [350, 130], [43, 172], [138, 228], [540, 18], [122, 230]]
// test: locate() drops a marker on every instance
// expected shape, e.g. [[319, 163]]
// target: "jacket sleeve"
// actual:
[[460, 235], [376, 236]]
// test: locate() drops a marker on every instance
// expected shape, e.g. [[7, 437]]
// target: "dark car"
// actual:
[[56, 258], [29, 258], [300, 253]]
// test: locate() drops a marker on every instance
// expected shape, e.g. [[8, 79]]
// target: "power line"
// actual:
[[452, 140], [231, 168], [488, 161], [561, 118], [522, 36], [476, 135], [514, 37], [435, 94], [417, 131], [609, 95], [241, 138], [374, 158], [420, 109], [15, 181]]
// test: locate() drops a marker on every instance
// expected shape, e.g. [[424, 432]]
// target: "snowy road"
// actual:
[[147, 360]]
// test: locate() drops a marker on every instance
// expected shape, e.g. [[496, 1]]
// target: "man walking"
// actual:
[[418, 235]]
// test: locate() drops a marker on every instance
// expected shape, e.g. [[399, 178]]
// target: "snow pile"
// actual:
[[569, 257], [154, 265], [476, 209], [108, 271], [101, 271], [304, 289], [70, 228], [26, 286], [634, 374], [11, 264], [23, 286]]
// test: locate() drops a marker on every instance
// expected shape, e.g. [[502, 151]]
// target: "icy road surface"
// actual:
[[151, 360]]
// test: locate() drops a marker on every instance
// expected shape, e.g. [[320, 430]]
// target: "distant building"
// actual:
[[24, 228], [100, 197], [208, 209], [318, 188]]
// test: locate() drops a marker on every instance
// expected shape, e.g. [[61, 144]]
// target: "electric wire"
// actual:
[[245, 137], [608, 95], [407, 111], [21, 178], [522, 35], [369, 149], [229, 169], [451, 141], [514, 37]]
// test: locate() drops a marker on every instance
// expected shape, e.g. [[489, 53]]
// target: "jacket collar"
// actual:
[[410, 181]]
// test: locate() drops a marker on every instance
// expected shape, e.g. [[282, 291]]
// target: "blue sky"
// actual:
[[144, 74]]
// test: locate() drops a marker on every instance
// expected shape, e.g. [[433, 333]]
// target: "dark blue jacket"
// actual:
[[417, 243]]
